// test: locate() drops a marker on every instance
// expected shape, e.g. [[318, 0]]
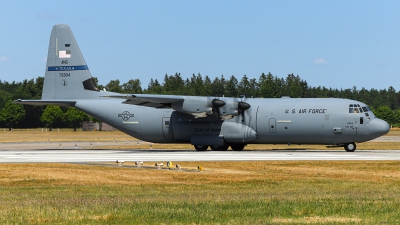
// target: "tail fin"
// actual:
[[67, 75]]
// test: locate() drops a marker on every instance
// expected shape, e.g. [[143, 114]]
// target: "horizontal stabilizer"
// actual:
[[45, 102]]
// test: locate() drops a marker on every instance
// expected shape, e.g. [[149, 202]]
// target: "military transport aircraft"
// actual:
[[215, 122]]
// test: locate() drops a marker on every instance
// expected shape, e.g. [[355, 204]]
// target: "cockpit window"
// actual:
[[356, 108]]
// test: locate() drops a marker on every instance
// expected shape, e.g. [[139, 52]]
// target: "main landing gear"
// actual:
[[219, 148], [201, 147], [238, 147], [235, 147], [350, 147]]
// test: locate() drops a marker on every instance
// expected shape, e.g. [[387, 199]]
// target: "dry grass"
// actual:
[[63, 135], [214, 172], [395, 131]]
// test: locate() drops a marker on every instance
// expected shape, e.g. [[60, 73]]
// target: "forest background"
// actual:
[[384, 103]]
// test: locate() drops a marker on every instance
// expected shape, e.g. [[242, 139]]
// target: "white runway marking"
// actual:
[[51, 152], [189, 155]]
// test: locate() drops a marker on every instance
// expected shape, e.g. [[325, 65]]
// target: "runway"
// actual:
[[81, 152], [83, 156]]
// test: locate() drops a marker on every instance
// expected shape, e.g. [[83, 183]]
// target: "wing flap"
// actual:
[[154, 101]]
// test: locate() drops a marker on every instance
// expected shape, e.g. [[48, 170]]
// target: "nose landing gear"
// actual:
[[350, 147]]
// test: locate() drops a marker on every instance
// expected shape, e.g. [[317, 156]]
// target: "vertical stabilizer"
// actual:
[[67, 75]]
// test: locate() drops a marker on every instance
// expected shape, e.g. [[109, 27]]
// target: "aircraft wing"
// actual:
[[154, 101]]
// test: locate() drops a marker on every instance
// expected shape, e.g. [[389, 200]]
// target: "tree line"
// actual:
[[385, 103]]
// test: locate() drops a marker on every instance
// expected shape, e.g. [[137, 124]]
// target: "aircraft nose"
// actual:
[[378, 127]]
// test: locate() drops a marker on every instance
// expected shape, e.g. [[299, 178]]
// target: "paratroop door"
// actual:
[[167, 127]]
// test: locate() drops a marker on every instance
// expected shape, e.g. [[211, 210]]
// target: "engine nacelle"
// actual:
[[196, 106], [225, 108], [230, 109]]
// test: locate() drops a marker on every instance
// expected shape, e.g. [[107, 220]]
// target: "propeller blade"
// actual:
[[242, 106], [216, 104]]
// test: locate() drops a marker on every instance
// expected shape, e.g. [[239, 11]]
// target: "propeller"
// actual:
[[242, 106], [216, 104]]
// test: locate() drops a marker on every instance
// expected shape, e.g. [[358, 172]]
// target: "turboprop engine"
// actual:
[[225, 108]]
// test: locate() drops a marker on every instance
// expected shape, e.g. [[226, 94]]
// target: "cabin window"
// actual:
[[67, 45]]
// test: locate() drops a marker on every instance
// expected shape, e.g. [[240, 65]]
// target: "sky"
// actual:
[[331, 43]]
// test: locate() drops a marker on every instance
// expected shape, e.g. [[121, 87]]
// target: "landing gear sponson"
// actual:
[[349, 147], [234, 147]]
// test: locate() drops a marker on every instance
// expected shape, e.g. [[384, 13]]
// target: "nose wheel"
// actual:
[[350, 147]]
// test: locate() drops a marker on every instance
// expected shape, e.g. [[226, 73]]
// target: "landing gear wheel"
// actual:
[[238, 147], [200, 147], [350, 147], [219, 148]]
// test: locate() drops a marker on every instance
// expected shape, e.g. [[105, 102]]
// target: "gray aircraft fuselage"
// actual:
[[276, 121], [218, 122]]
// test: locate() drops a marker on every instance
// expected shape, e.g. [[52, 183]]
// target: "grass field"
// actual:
[[224, 193], [273, 192]]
